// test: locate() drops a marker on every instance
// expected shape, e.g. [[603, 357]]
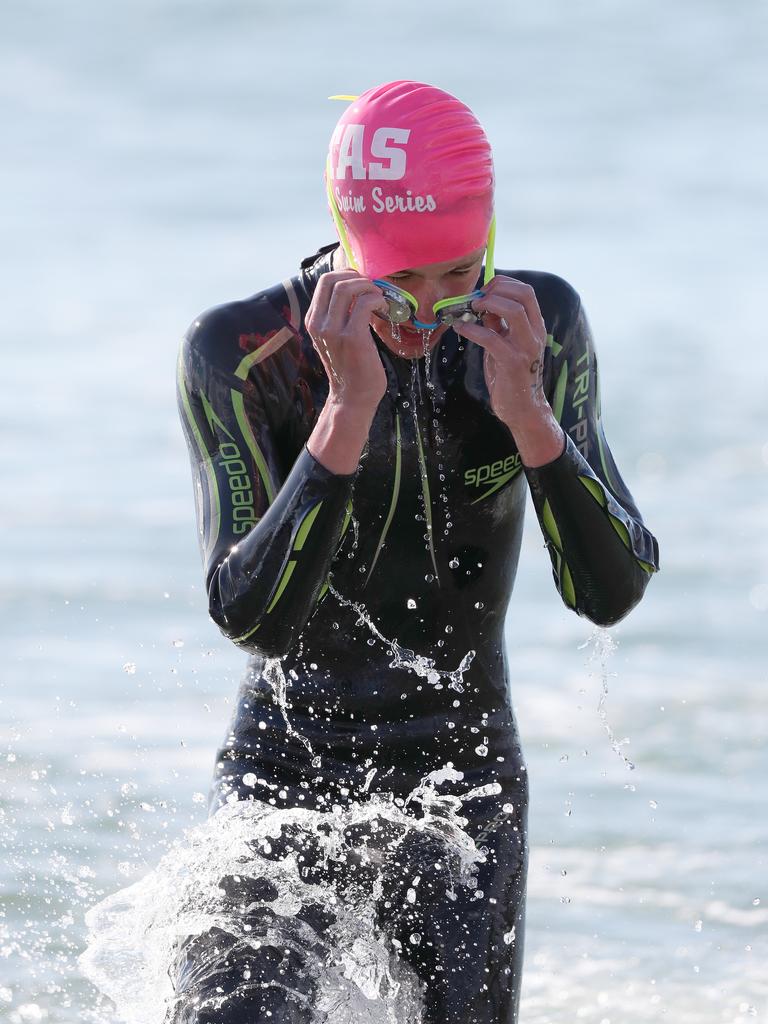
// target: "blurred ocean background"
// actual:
[[163, 156]]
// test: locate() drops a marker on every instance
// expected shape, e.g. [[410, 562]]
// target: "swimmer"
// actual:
[[364, 436]]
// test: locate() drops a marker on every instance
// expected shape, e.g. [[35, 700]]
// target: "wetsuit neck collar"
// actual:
[[320, 262]]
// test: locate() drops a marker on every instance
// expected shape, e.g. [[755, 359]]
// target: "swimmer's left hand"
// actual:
[[514, 337]]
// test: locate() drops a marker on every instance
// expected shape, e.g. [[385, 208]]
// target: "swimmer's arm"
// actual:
[[339, 436], [263, 589], [602, 553], [267, 538]]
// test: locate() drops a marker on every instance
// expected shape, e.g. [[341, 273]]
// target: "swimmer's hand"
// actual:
[[337, 323], [514, 337]]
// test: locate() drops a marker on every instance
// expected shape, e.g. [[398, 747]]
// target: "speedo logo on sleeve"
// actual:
[[492, 474], [243, 514]]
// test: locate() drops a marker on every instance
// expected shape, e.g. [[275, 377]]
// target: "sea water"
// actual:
[[163, 157]]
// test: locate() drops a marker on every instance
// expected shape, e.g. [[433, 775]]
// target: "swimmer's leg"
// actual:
[[257, 970], [465, 944]]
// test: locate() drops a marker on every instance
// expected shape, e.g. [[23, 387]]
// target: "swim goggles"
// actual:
[[401, 305]]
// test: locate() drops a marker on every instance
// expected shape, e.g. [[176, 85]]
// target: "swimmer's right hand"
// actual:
[[338, 323]]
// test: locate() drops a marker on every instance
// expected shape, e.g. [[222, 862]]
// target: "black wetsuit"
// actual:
[[426, 535]]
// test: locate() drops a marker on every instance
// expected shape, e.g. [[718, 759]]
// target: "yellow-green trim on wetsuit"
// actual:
[[395, 495]]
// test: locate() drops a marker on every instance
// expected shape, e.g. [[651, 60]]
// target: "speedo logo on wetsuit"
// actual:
[[493, 474], [243, 515]]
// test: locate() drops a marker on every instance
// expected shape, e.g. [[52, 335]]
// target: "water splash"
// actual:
[[404, 657], [603, 646], [275, 676], [425, 333], [257, 886]]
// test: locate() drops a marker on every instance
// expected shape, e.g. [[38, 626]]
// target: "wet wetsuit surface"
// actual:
[[426, 537]]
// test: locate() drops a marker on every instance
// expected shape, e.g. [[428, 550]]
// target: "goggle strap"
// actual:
[[340, 229], [490, 269]]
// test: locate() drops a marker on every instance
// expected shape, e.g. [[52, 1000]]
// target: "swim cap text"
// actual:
[[351, 154], [409, 203]]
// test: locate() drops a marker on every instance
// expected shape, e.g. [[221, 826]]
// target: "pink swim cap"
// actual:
[[410, 172]]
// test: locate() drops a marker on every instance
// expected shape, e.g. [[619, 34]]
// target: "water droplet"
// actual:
[[199, 798], [30, 1012], [508, 808], [454, 562], [479, 605], [481, 750], [652, 804], [130, 668], [178, 643], [249, 779], [411, 895], [449, 629], [410, 603], [563, 759], [565, 899], [509, 937], [698, 925], [756, 901], [415, 939]]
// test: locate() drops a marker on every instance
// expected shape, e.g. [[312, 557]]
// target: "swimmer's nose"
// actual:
[[427, 298]]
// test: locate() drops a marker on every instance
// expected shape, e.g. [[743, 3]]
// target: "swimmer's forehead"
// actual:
[[429, 269]]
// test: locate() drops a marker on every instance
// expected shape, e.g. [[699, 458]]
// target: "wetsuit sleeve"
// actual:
[[602, 553], [267, 537]]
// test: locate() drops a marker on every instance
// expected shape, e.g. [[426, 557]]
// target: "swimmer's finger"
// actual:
[[346, 294], [485, 337], [519, 292], [516, 314], [329, 281], [318, 308], [360, 315]]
